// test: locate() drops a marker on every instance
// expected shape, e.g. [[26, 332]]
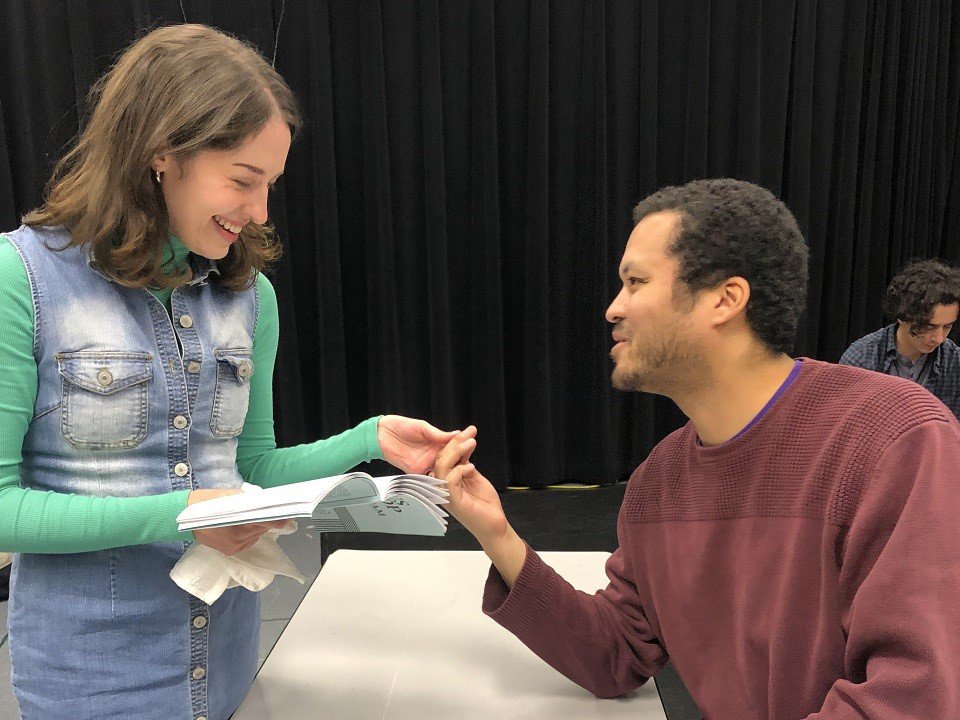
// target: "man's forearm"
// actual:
[[507, 553]]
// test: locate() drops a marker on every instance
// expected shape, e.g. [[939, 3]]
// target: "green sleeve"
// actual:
[[38, 521], [259, 460]]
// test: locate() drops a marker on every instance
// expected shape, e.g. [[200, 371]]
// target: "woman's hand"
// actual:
[[234, 538], [411, 445]]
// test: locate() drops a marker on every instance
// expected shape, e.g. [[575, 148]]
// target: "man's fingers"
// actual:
[[447, 457], [444, 459], [466, 450], [454, 477], [455, 453], [461, 473]]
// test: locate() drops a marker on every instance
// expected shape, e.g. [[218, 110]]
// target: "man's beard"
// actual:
[[661, 369]]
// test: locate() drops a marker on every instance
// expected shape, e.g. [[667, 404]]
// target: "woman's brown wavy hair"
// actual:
[[180, 90]]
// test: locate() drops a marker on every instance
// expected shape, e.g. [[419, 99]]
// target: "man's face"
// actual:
[[655, 342], [927, 337]]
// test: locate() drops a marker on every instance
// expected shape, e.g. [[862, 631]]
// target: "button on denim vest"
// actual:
[[129, 403]]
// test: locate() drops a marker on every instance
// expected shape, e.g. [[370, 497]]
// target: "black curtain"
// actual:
[[454, 211]]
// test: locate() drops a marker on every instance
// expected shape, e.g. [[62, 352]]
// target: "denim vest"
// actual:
[[129, 403]]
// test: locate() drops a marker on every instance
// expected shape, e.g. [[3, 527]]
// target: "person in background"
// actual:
[[793, 549], [137, 360], [923, 301]]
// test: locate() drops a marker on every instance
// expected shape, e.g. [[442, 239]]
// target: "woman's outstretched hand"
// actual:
[[411, 445]]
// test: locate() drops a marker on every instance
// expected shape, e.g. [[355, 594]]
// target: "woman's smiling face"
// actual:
[[211, 196]]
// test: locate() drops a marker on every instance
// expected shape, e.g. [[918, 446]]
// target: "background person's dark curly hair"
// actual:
[[731, 228], [917, 289]]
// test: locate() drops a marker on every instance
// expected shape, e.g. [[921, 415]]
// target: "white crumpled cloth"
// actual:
[[205, 573]]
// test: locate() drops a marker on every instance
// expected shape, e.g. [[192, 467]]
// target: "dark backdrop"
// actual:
[[455, 209]]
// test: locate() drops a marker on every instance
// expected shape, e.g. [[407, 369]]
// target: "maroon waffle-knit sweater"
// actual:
[[808, 569]]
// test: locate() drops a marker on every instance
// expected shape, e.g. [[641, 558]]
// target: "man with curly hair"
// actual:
[[923, 301], [793, 548]]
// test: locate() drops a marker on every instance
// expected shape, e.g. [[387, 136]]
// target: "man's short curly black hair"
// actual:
[[729, 228], [918, 288]]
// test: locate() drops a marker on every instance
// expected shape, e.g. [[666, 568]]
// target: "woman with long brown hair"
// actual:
[[139, 346]]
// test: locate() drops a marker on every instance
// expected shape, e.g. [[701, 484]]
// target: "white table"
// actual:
[[398, 635]]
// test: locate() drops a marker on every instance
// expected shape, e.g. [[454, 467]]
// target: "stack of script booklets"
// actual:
[[355, 502]]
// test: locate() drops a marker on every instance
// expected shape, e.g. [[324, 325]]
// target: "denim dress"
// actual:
[[129, 403]]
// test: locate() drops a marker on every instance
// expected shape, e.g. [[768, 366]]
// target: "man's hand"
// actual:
[[411, 445], [473, 500], [234, 538], [475, 503]]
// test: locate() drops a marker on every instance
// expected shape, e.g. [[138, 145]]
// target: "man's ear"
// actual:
[[730, 299]]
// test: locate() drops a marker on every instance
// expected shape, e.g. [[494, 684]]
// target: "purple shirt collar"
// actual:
[[776, 396]]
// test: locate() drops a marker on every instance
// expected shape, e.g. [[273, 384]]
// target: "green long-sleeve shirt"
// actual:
[[47, 522]]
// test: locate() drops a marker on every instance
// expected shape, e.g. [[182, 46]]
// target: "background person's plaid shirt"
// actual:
[[878, 351]]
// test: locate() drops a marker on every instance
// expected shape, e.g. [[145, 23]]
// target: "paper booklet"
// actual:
[[355, 502]]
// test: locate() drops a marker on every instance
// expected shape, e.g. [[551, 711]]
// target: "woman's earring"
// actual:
[[159, 177]]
